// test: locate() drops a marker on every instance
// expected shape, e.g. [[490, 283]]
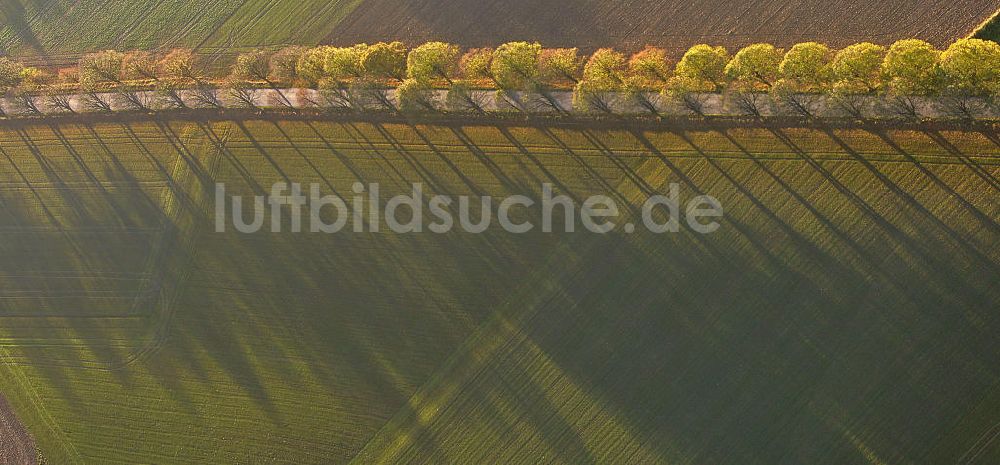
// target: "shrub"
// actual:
[[10, 74], [515, 64], [385, 61], [69, 75], [702, 67], [179, 64], [101, 67], [755, 67], [251, 66], [857, 69], [432, 61], [476, 64], [283, 64], [911, 67], [559, 65], [33, 79], [138, 65]]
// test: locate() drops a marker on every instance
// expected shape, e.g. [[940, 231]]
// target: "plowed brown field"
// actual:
[[675, 24], [16, 446]]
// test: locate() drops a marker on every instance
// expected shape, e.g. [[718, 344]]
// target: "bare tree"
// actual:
[[857, 106], [254, 66], [538, 98], [415, 96], [96, 102], [205, 95], [245, 95], [463, 99], [510, 99], [169, 96], [904, 106], [643, 98], [133, 99], [961, 105], [592, 100], [60, 102], [749, 103], [373, 95], [801, 104], [26, 103], [336, 96]]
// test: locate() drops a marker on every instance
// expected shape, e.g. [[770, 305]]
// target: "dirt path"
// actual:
[[16, 445]]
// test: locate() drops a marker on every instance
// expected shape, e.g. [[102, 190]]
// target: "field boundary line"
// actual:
[[161, 330], [32, 396]]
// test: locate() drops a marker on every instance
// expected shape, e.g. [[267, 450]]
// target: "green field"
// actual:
[[61, 29], [56, 32], [990, 29], [844, 313]]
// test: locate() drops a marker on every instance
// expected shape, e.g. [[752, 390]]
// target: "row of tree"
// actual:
[[759, 74]]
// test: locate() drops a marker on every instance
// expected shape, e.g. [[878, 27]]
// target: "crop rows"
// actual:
[[849, 263]]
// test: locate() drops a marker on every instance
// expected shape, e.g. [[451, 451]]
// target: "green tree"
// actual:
[[806, 67], [603, 79], [415, 95], [477, 64], [857, 69], [912, 67], [755, 67], [559, 65], [702, 67], [605, 70], [344, 63], [590, 96], [649, 66], [385, 61], [10, 74], [310, 66], [101, 67], [432, 61], [515, 64], [972, 66]]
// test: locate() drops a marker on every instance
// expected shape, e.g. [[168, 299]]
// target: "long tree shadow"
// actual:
[[13, 14], [958, 237]]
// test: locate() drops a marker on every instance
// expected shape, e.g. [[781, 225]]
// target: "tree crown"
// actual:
[[385, 61], [559, 65], [515, 64], [807, 66], [431, 61], [972, 66], [755, 66], [857, 68], [912, 67], [703, 67], [605, 70]]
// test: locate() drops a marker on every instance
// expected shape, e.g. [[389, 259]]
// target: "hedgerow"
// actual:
[[797, 80]]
